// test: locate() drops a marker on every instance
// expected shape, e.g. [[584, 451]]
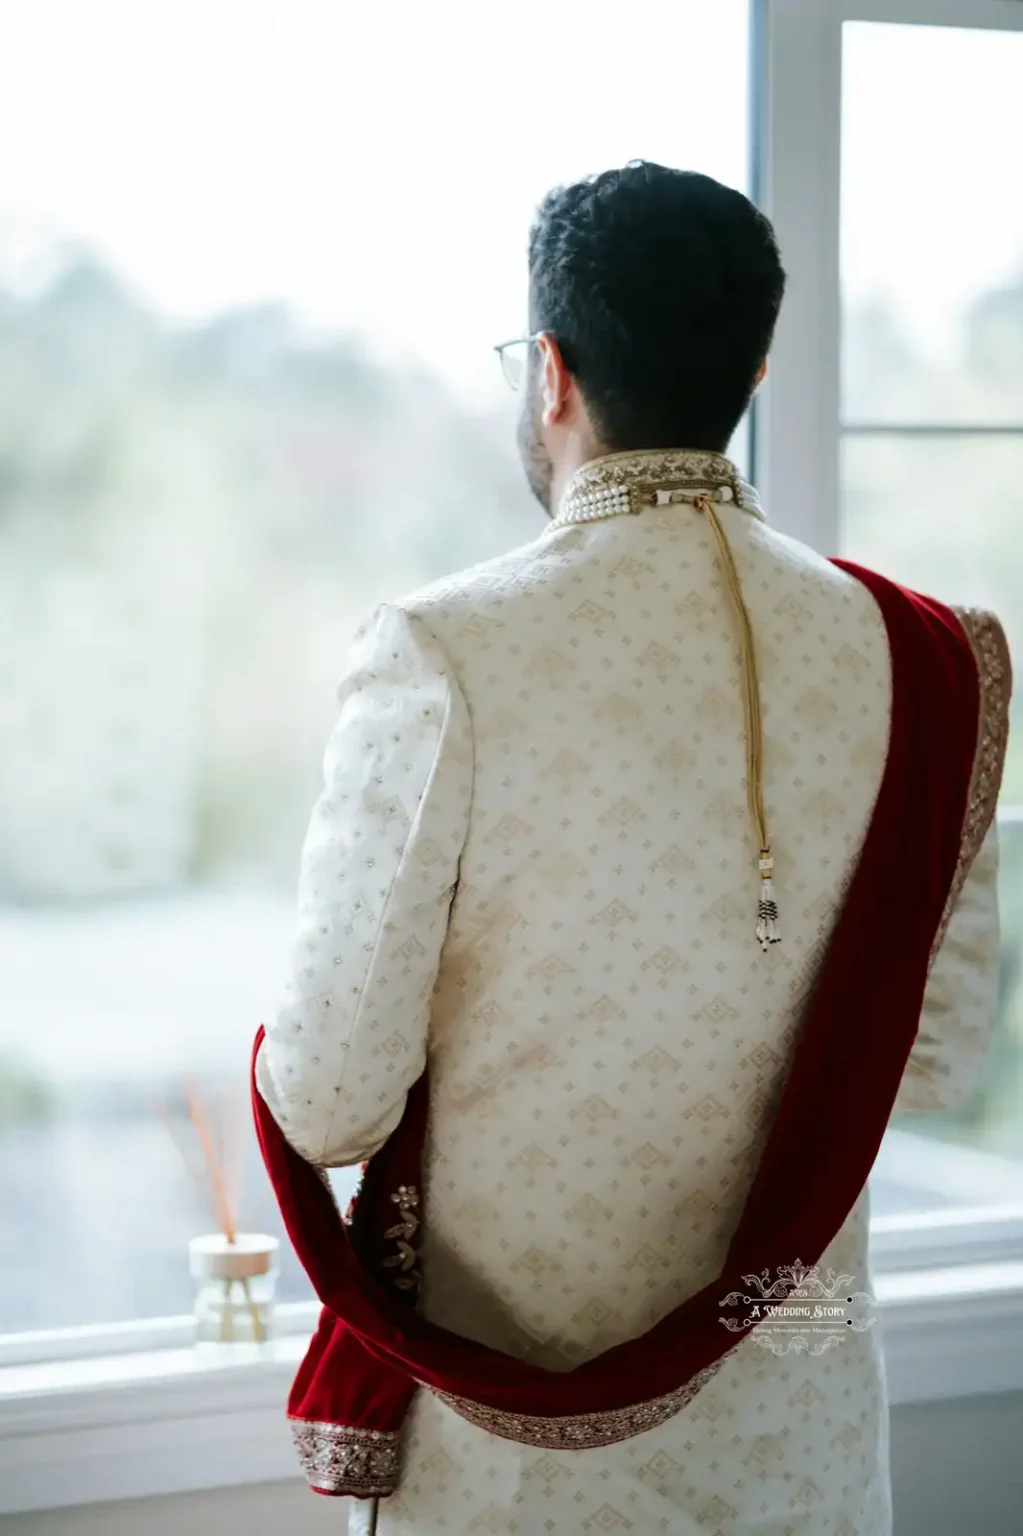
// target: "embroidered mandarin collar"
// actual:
[[629, 482]]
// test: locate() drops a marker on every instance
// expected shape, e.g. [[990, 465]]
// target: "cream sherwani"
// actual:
[[533, 862]]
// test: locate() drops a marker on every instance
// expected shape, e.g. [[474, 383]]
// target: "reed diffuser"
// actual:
[[235, 1273]]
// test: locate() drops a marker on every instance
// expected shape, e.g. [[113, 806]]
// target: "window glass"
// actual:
[[253, 260], [932, 228], [932, 451]]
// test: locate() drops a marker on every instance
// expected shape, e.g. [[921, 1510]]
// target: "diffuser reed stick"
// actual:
[[218, 1174]]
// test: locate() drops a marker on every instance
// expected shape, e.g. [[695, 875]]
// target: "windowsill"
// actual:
[[176, 1420], [130, 1426]]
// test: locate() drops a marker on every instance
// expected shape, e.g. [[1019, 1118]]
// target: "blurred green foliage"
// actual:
[[25, 1095], [262, 488]]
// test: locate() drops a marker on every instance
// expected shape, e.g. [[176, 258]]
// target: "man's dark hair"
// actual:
[[662, 289]]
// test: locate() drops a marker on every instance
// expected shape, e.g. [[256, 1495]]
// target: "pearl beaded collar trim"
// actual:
[[626, 483]]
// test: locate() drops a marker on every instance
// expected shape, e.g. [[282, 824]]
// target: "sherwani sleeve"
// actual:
[[379, 869], [961, 1000]]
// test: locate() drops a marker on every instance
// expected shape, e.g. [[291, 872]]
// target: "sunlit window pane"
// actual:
[[932, 274], [932, 228], [253, 261]]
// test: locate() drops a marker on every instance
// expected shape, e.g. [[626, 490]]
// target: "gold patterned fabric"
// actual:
[[994, 669], [333, 1456], [580, 1432], [531, 861], [630, 482], [962, 993]]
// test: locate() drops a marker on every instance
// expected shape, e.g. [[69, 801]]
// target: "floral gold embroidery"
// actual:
[[994, 668], [581, 1431], [628, 482], [406, 1198], [359, 1463]]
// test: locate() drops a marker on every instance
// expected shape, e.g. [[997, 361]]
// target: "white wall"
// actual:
[[957, 1467], [956, 1471]]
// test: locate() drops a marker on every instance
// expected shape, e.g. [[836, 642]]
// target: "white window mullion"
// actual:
[[797, 180], [797, 50]]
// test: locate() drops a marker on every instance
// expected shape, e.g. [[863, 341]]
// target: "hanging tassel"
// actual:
[[767, 908]]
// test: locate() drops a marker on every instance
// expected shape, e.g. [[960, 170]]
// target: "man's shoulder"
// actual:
[[982, 626], [492, 582], [850, 578]]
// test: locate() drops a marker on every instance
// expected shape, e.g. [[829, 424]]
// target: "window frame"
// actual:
[[796, 70], [796, 67]]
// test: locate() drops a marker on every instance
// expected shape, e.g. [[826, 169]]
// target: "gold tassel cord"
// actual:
[[767, 910]]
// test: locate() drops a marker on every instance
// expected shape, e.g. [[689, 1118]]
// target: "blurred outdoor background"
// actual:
[[246, 392]]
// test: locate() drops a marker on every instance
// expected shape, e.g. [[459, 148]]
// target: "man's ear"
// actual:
[[555, 380], [761, 374]]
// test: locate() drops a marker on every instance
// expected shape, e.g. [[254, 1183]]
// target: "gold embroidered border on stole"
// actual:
[[581, 1431], [361, 1462], [994, 669]]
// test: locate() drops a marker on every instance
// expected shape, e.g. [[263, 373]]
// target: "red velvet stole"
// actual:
[[372, 1347]]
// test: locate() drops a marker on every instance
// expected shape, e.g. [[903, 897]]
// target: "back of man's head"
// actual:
[[662, 289]]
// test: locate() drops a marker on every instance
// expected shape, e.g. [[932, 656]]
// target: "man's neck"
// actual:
[[578, 452]]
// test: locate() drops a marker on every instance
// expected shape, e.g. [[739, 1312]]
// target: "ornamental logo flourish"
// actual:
[[800, 1311]]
